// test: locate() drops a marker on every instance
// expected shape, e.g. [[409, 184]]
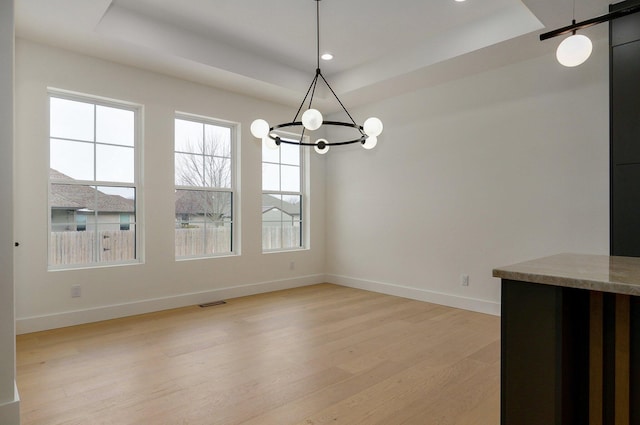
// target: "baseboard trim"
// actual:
[[472, 304], [76, 317], [10, 411]]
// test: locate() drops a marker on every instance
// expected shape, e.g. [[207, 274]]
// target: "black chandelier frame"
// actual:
[[311, 91]]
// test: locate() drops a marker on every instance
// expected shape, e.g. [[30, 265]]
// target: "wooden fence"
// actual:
[[81, 248], [198, 241], [67, 248], [276, 237]]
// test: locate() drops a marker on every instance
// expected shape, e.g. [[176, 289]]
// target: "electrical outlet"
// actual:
[[464, 280], [76, 291]]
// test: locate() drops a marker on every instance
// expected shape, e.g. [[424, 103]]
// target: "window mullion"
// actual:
[[96, 254]]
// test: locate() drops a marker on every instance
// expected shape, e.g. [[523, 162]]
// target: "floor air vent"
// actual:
[[212, 304]]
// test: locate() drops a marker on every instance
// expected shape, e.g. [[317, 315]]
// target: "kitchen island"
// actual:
[[570, 349]]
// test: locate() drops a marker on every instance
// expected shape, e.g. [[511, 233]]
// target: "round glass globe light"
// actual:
[[574, 50], [269, 143], [370, 143], [373, 127], [312, 119], [260, 128], [321, 146]]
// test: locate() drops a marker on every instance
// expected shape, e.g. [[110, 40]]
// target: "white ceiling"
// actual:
[[267, 48]]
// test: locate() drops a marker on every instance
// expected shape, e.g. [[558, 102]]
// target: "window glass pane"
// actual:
[[191, 205], [290, 234], [271, 235], [290, 154], [217, 140], [270, 155], [270, 177], [290, 178], [68, 197], [73, 159], [190, 240], [112, 199], [188, 136], [218, 171], [70, 119], [189, 170], [63, 220], [203, 222], [219, 206], [115, 125], [114, 244], [115, 163], [86, 224], [218, 237], [292, 205], [71, 247], [271, 207]]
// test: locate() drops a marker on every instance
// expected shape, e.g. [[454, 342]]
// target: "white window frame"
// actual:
[[138, 111], [234, 128], [303, 193]]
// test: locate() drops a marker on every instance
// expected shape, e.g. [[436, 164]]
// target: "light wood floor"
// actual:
[[322, 354]]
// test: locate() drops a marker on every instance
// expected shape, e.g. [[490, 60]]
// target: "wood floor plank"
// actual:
[[308, 356]]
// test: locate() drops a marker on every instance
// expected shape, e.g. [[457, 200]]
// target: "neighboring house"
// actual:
[[81, 208], [191, 207], [277, 210], [197, 207]]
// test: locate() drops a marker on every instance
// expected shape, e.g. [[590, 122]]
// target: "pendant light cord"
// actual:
[[312, 88], [318, 34]]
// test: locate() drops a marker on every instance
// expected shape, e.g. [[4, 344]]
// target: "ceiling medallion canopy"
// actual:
[[311, 120]]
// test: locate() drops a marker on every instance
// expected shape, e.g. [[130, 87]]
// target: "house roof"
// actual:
[[270, 202], [192, 202], [76, 197]]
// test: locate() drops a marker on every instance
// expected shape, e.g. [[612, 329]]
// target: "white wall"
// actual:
[[9, 405], [500, 167], [43, 298], [495, 168]]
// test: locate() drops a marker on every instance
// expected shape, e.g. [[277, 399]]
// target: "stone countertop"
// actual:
[[619, 275]]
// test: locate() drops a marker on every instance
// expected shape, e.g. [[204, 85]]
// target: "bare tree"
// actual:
[[208, 166]]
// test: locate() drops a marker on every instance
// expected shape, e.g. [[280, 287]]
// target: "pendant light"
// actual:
[[312, 119], [576, 49]]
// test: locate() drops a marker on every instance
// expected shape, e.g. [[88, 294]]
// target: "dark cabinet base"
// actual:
[[569, 356], [545, 346]]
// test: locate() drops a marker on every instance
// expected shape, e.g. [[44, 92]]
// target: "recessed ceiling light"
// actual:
[[326, 56], [459, 1]]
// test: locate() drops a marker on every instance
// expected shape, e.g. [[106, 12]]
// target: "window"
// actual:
[[93, 181], [204, 179], [282, 197], [125, 221], [81, 222]]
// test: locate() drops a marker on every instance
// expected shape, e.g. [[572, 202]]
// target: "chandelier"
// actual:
[[311, 119]]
